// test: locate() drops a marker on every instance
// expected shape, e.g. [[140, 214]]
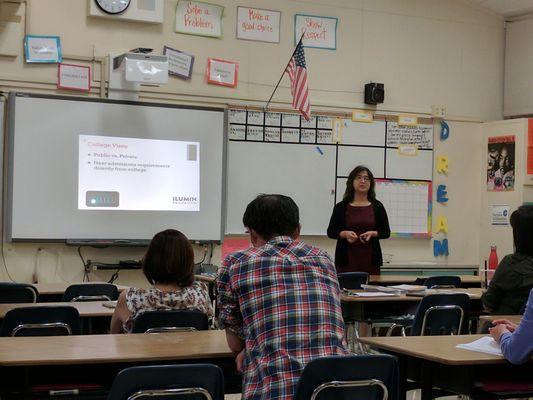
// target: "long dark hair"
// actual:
[[522, 224], [349, 194], [169, 259]]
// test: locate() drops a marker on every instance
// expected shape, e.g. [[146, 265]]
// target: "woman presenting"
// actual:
[[358, 222]]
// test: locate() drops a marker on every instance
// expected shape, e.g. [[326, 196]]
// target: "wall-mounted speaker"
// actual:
[[374, 93]]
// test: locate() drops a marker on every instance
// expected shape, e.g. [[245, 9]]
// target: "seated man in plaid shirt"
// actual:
[[279, 301]]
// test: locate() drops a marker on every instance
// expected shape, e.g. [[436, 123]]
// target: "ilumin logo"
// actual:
[[184, 199]]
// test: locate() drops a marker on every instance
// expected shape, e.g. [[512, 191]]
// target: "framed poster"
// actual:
[[74, 77], [199, 18], [222, 72], [42, 49], [319, 32], [258, 24], [501, 163], [179, 63]]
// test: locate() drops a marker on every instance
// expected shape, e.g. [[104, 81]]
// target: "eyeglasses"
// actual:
[[362, 178]]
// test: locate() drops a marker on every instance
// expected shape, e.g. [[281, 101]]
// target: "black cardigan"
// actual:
[[337, 223]]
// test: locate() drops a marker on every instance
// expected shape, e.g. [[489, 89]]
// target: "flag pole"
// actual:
[[283, 73]]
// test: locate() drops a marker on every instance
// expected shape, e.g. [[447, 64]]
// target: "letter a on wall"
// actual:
[[442, 225]]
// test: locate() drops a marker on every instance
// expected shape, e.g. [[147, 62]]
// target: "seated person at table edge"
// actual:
[[516, 341], [169, 267], [507, 292], [279, 301]]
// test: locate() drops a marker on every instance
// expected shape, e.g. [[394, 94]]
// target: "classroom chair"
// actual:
[[441, 281], [18, 293], [170, 321], [349, 377], [41, 321], [90, 292], [352, 280], [438, 314], [187, 381]]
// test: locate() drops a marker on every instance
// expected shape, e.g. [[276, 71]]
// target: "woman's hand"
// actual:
[[350, 236], [498, 331], [508, 324], [365, 237]]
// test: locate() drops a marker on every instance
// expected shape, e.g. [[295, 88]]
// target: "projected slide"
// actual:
[[117, 173]]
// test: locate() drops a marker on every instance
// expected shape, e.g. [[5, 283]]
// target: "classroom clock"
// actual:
[[113, 6]]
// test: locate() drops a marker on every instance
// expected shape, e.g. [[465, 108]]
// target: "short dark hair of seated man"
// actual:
[[169, 259], [272, 215], [279, 301]]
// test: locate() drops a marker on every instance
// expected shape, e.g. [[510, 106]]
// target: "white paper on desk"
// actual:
[[484, 345], [377, 288], [409, 288], [373, 294]]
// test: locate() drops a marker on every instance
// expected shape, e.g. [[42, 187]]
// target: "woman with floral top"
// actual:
[[169, 267]]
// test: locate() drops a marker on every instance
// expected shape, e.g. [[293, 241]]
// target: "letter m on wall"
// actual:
[[440, 248]]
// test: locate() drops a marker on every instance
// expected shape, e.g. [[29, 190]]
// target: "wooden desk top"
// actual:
[[399, 279], [97, 349], [60, 287], [515, 319], [474, 293], [85, 308], [439, 349]]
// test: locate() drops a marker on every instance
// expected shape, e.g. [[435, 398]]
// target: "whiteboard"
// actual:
[[47, 160], [296, 170], [363, 133], [276, 152], [371, 157], [419, 167]]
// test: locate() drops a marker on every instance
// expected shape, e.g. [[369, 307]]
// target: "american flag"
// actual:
[[298, 74]]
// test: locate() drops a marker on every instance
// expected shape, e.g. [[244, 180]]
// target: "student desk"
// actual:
[[467, 281], [87, 309], [100, 357], [103, 349], [515, 319], [435, 361], [361, 308], [53, 291]]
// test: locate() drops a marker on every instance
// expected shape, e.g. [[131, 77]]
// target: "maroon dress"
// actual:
[[360, 220]]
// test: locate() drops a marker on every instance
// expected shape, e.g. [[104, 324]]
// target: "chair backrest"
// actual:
[[41, 321], [349, 377], [352, 280], [18, 293], [443, 281], [442, 314], [186, 381], [170, 320], [90, 292]]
